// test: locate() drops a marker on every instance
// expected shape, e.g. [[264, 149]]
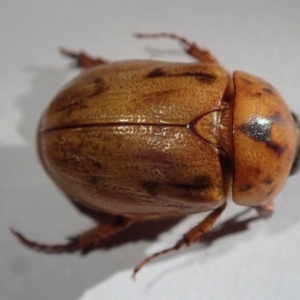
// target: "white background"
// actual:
[[261, 37]]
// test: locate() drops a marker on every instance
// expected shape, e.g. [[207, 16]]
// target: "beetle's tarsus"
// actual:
[[194, 235], [69, 247], [84, 242], [181, 243], [192, 49]]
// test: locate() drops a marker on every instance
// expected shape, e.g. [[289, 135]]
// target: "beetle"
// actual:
[[145, 139]]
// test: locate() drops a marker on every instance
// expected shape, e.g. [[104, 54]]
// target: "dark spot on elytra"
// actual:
[[70, 100], [201, 76], [159, 96], [245, 187], [97, 165], [98, 80], [257, 171], [260, 129], [257, 94], [88, 165], [156, 158], [151, 187], [199, 183], [246, 81], [75, 98], [93, 180], [268, 181], [96, 88], [268, 90], [157, 72]]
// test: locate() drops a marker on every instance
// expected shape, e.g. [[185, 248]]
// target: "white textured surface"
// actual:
[[261, 37]]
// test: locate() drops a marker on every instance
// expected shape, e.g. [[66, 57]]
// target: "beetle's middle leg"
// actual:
[[194, 235], [84, 242], [83, 60], [192, 49]]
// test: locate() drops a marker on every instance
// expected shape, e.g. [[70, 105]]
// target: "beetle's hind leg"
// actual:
[[192, 49], [194, 235], [84, 242], [82, 59]]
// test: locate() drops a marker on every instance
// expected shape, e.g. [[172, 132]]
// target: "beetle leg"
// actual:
[[266, 210], [82, 59], [192, 49], [194, 235], [84, 242]]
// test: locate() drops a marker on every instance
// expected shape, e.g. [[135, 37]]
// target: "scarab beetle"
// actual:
[[144, 139]]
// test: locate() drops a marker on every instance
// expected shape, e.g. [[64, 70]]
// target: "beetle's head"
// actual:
[[296, 164]]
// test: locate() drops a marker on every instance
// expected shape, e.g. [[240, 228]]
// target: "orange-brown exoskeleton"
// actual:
[[146, 139]]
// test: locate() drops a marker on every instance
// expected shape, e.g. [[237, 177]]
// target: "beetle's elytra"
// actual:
[[150, 139]]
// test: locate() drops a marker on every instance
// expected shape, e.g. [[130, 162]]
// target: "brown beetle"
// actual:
[[151, 139]]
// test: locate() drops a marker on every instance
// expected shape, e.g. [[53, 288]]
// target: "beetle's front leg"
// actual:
[[192, 49], [194, 235], [82, 59], [84, 242]]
